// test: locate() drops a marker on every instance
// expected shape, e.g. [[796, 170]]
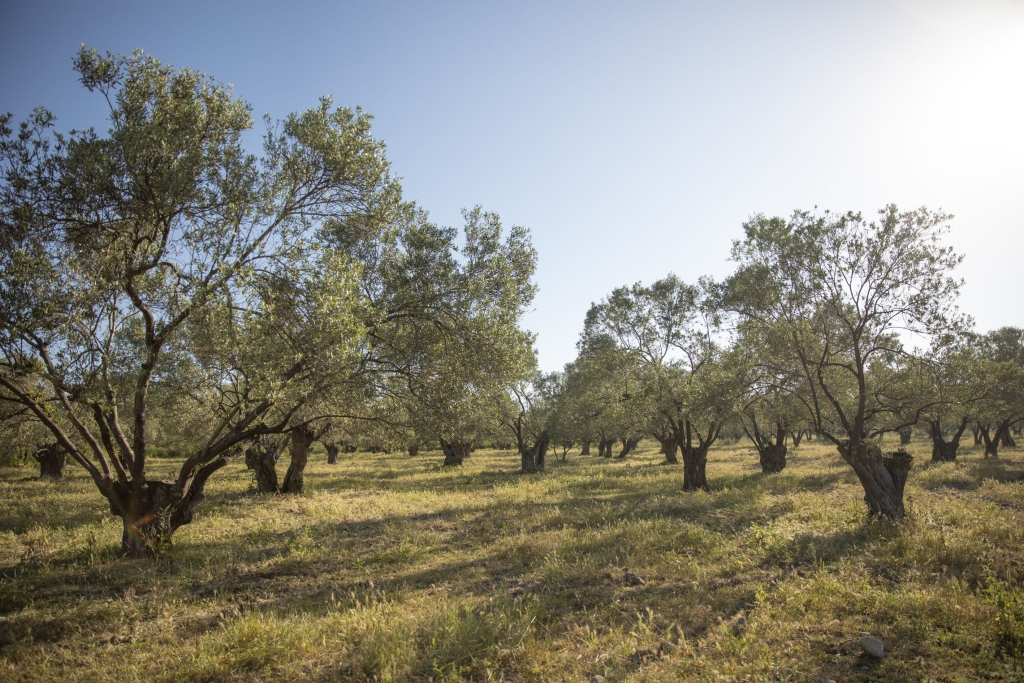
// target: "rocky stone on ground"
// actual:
[[872, 646]]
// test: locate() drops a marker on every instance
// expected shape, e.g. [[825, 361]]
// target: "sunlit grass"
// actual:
[[392, 568]]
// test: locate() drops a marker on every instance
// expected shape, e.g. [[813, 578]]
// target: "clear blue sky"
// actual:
[[632, 138]]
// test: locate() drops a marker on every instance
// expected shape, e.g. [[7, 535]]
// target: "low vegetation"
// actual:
[[393, 568]]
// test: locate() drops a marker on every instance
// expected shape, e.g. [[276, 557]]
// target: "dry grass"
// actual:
[[390, 568]]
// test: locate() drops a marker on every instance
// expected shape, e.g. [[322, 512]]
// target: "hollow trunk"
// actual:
[[455, 452], [942, 450], [882, 476], [905, 434], [628, 444], [586, 448], [332, 452], [414, 449], [262, 460], [294, 479], [52, 459], [695, 468], [533, 456]]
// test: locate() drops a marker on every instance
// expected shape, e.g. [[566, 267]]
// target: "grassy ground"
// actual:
[[391, 568]]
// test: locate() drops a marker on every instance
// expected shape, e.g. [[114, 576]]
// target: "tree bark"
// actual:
[[52, 459], [797, 436], [771, 453], [455, 452], [905, 434], [161, 508], [668, 446], [586, 448], [695, 468], [533, 456], [414, 449], [993, 441], [302, 439], [976, 431], [628, 444], [773, 459], [942, 450], [262, 460], [332, 452], [883, 478], [604, 447]]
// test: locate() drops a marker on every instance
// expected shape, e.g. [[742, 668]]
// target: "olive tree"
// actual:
[[670, 329], [834, 292], [161, 252]]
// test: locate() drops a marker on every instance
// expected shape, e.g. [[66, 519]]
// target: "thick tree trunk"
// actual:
[[883, 478], [1007, 439], [586, 448], [332, 452], [604, 447], [771, 453], [160, 509], [976, 431], [773, 458], [262, 460], [942, 450], [52, 459], [671, 451], [455, 452], [695, 468], [533, 456], [628, 444], [797, 436], [414, 449], [668, 446], [302, 439], [905, 434]]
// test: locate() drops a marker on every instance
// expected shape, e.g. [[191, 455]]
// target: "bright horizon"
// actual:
[[633, 141]]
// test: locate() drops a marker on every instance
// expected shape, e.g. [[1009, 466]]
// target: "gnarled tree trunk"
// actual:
[[455, 452], [797, 437], [604, 447], [586, 448], [942, 450], [52, 459], [628, 444], [882, 476], [533, 456], [302, 439], [332, 452], [261, 458], [668, 446], [772, 453], [152, 515], [414, 449], [994, 440], [695, 467], [905, 434]]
